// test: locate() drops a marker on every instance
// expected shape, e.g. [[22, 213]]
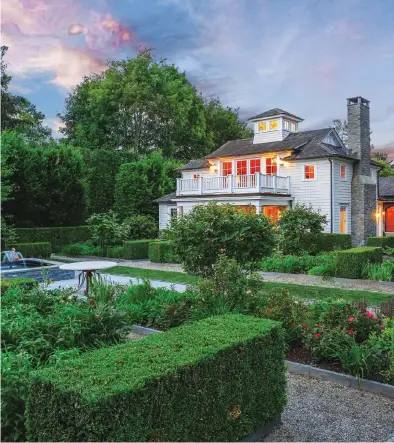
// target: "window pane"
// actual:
[[271, 166], [309, 172], [343, 220], [273, 125], [227, 168], [254, 166], [343, 172], [262, 126], [242, 167]]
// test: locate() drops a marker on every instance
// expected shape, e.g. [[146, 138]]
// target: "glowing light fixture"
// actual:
[[213, 168]]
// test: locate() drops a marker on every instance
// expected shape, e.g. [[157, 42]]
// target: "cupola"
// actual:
[[274, 125]]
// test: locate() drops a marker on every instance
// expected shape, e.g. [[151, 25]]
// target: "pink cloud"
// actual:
[[41, 39]]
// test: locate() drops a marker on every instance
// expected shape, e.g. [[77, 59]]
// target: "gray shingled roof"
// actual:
[[386, 187], [273, 113], [196, 164], [307, 144], [166, 198]]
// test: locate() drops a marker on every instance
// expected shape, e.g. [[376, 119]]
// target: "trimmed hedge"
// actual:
[[327, 242], [134, 249], [351, 262], [381, 242], [218, 379], [162, 252], [58, 237], [7, 283], [33, 250]]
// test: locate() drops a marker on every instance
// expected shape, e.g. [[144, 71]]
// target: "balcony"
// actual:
[[233, 184]]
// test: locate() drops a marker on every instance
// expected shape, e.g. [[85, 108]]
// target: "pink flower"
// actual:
[[316, 335], [249, 291], [382, 326], [369, 314], [350, 332], [304, 325], [350, 319]]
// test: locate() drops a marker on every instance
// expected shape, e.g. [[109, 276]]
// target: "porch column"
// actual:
[[200, 185], [258, 206]]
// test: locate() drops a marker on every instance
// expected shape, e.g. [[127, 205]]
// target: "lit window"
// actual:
[[274, 125], [255, 166], [287, 125], [196, 176], [271, 166], [343, 219], [227, 168], [242, 167], [343, 172], [309, 172], [262, 126], [272, 212], [293, 127]]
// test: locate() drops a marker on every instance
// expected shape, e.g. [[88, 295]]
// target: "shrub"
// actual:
[[350, 263], [209, 230], [218, 379], [135, 249], [115, 252], [327, 270], [298, 228], [7, 283], [294, 264], [36, 250], [57, 237], [162, 252], [381, 242], [141, 226], [327, 242], [379, 271], [80, 249]]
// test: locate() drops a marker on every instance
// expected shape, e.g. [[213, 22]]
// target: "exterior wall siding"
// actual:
[[164, 215], [315, 192], [342, 193]]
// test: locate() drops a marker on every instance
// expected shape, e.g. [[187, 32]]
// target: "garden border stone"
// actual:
[[310, 371]]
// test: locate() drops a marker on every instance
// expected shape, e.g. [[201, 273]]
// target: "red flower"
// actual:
[[382, 326], [304, 325], [350, 319], [316, 335], [350, 332], [91, 301], [369, 314]]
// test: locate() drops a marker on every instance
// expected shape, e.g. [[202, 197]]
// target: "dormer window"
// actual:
[[287, 125], [293, 127], [262, 126], [274, 125]]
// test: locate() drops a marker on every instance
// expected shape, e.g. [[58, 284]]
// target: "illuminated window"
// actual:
[[343, 219], [293, 127], [227, 168], [247, 209], [343, 172], [196, 176], [272, 212], [255, 165], [274, 125], [287, 125], [242, 167], [262, 126], [271, 166], [309, 172]]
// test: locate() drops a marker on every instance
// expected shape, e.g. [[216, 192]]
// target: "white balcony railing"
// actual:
[[234, 184]]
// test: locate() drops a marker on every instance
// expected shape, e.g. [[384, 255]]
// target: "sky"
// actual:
[[304, 56]]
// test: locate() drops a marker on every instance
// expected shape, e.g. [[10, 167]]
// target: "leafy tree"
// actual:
[[297, 227], [386, 169], [17, 113], [141, 182], [207, 231], [223, 124], [48, 187], [138, 105]]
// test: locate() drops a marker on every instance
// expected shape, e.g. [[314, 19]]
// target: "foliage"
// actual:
[[350, 263], [33, 250], [81, 249], [326, 242], [141, 182], [381, 242], [162, 252], [107, 230], [325, 270], [298, 227], [41, 327], [219, 379], [379, 271], [24, 282], [294, 264], [48, 186], [200, 236], [141, 226], [138, 105], [388, 251], [56, 236], [135, 249], [17, 113], [102, 165], [385, 170]]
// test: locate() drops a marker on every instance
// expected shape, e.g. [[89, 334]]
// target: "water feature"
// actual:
[[12, 256]]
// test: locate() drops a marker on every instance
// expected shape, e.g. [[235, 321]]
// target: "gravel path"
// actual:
[[324, 411]]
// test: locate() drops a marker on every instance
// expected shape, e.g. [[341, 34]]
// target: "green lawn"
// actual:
[[309, 292]]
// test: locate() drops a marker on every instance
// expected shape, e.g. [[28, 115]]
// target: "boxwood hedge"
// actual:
[[326, 242], [350, 263], [382, 242], [134, 249], [218, 379], [33, 250], [24, 282], [162, 252]]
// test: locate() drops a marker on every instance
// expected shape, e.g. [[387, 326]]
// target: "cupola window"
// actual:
[[274, 125], [262, 126]]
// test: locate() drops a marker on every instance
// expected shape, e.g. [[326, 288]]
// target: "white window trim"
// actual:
[[340, 176], [303, 172], [346, 206], [227, 161]]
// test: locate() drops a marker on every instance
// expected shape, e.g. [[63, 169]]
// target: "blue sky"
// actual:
[[305, 56]]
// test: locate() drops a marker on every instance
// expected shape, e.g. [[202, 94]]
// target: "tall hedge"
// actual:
[[162, 252], [135, 249], [33, 250], [382, 242], [218, 379], [350, 263], [327, 242], [58, 237]]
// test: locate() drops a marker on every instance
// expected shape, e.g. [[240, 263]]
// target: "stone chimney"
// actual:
[[363, 185]]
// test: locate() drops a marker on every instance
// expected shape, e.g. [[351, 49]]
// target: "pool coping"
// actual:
[[312, 372], [54, 264]]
